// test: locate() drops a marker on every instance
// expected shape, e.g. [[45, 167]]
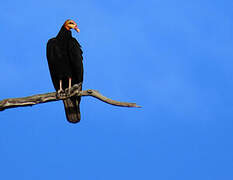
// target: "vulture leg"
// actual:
[[67, 91], [60, 92], [70, 82]]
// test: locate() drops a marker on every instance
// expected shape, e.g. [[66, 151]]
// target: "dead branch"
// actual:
[[48, 97]]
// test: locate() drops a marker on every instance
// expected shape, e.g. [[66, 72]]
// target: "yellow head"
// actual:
[[70, 24]]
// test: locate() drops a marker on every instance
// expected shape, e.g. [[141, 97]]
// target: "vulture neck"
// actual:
[[64, 34]]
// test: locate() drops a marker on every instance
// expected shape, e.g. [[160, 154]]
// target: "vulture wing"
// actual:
[[59, 65]]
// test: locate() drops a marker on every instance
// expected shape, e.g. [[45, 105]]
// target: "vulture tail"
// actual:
[[72, 109]]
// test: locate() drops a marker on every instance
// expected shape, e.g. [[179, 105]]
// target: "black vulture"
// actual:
[[65, 60]]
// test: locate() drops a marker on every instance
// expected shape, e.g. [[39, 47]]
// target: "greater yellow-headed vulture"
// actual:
[[65, 60]]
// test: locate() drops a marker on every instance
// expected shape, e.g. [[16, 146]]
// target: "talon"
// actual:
[[60, 93], [68, 91]]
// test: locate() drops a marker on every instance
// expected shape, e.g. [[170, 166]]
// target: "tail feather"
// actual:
[[72, 109]]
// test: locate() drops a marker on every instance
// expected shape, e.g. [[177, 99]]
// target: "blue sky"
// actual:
[[172, 57]]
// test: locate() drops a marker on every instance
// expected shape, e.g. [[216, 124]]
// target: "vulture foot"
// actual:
[[61, 93]]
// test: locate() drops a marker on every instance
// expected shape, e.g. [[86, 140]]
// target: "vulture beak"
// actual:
[[77, 29]]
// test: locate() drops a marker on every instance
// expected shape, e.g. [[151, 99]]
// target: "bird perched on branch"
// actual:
[[65, 58]]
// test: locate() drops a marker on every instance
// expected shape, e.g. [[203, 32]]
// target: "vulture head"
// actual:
[[70, 24]]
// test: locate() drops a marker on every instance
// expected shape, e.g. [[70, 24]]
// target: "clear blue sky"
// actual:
[[175, 58]]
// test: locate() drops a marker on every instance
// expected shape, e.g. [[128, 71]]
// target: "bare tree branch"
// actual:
[[48, 97]]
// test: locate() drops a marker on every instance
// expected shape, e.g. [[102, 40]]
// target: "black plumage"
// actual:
[[65, 58]]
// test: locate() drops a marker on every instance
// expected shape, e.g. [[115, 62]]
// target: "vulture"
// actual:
[[65, 61]]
